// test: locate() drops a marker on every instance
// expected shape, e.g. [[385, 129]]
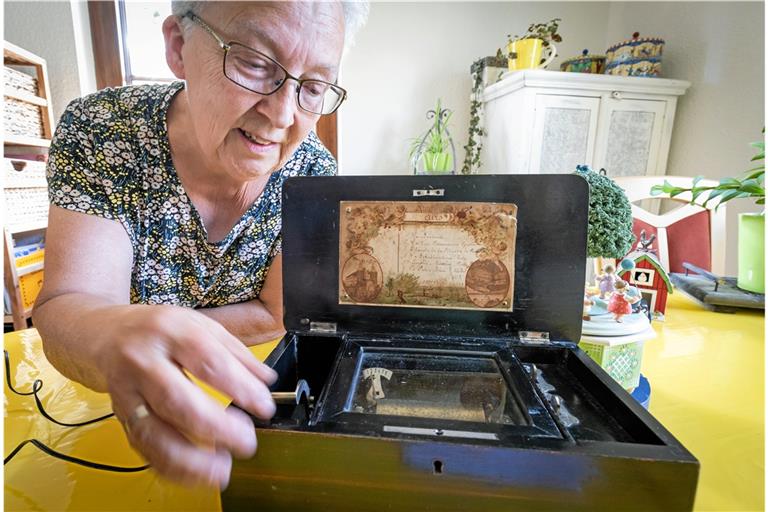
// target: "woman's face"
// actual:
[[243, 133]]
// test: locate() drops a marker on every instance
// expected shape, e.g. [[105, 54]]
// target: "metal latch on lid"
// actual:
[[429, 192]]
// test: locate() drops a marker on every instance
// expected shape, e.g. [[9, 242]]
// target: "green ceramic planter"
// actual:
[[437, 163], [622, 362], [751, 252]]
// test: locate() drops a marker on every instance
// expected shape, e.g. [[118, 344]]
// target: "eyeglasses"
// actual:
[[259, 73]]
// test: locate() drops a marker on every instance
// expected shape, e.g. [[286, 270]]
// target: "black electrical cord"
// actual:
[[37, 385], [74, 460]]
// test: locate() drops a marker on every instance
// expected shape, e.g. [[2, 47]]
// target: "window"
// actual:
[[142, 41]]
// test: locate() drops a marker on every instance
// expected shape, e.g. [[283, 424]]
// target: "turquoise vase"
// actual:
[[751, 252]]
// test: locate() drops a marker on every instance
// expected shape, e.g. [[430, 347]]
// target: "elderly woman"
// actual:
[[163, 248]]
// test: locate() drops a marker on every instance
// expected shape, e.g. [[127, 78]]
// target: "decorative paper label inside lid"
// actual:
[[435, 254]]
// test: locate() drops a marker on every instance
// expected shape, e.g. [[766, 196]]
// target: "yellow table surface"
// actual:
[[705, 370]]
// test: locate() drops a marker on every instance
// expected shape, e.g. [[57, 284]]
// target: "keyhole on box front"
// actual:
[[438, 467]]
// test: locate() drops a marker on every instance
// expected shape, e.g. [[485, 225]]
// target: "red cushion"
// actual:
[[689, 240]]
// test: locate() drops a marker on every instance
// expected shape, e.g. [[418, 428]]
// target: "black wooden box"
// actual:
[[435, 322]]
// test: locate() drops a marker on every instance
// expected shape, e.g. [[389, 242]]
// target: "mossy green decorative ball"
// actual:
[[610, 216]]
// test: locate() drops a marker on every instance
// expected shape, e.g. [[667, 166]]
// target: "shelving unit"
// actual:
[[28, 130]]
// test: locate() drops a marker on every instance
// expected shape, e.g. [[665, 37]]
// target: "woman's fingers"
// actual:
[[183, 432], [238, 349], [167, 451], [198, 351], [182, 404]]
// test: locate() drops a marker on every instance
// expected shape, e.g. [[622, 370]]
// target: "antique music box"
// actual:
[[431, 359]]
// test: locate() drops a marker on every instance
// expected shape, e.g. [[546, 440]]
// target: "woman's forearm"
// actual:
[[252, 322], [137, 353], [71, 326]]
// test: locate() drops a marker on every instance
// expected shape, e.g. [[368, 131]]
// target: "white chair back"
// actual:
[[638, 188]]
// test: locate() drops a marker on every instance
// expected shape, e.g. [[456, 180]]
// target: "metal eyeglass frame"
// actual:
[[227, 46]]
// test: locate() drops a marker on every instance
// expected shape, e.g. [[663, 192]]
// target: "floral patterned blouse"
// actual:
[[110, 157]]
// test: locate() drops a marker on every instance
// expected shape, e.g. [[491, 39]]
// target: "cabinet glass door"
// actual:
[[631, 136], [564, 132]]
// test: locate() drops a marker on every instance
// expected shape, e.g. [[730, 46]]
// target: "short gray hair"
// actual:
[[355, 16]]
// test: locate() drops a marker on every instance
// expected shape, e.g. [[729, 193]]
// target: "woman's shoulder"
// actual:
[[311, 158], [114, 106], [107, 145]]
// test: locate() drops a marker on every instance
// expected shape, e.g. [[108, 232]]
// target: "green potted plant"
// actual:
[[547, 35], [751, 185], [525, 52], [435, 149]]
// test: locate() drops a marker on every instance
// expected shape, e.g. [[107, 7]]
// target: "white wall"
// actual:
[[47, 30], [411, 53], [718, 47], [86, 65]]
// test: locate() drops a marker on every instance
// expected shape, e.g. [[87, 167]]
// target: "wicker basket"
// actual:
[[24, 206], [22, 118], [19, 173], [16, 80]]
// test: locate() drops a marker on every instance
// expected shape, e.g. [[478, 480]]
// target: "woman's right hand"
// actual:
[[186, 436]]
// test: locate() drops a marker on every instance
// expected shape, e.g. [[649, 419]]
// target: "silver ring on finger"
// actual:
[[139, 413]]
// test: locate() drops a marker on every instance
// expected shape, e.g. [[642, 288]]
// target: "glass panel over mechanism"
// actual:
[[457, 388]]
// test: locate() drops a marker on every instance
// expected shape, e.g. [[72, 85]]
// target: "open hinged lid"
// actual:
[[480, 255]]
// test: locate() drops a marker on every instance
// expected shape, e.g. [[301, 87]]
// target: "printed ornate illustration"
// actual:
[[487, 282], [362, 278], [427, 254]]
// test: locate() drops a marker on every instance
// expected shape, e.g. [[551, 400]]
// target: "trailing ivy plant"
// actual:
[[474, 144], [476, 132], [547, 32]]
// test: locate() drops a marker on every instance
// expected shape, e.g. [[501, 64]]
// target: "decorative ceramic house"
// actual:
[[651, 279]]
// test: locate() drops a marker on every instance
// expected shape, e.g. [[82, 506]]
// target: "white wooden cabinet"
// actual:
[[549, 122]]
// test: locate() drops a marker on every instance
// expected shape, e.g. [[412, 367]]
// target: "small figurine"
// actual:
[[588, 303], [621, 301], [646, 244], [607, 280]]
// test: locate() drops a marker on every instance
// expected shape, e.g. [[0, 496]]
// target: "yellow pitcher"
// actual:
[[526, 54]]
